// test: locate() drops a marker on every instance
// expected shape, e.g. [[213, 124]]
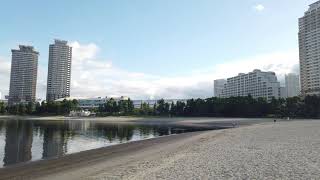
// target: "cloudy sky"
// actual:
[[149, 49]]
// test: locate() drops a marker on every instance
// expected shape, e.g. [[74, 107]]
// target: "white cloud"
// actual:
[[101, 78], [92, 77], [4, 75], [259, 7], [83, 52]]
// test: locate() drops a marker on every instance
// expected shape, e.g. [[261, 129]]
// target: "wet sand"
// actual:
[[284, 150]]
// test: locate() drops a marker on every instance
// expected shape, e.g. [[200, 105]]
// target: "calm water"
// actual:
[[23, 141]]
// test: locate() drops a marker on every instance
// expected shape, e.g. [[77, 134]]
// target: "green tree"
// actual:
[[30, 108], [38, 109], [162, 108], [2, 108], [312, 106], [22, 109], [130, 106]]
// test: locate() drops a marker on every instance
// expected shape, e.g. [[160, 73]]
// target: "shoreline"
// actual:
[[257, 151], [51, 166]]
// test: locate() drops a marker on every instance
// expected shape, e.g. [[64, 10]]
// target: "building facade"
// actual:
[[292, 85], [309, 50], [59, 70], [256, 83], [23, 78], [218, 86], [283, 92]]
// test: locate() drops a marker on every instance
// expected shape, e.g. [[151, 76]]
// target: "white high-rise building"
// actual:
[[256, 83], [292, 85], [309, 48], [59, 70], [23, 79], [218, 86], [283, 92]]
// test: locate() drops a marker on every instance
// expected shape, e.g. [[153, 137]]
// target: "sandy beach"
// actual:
[[284, 150]]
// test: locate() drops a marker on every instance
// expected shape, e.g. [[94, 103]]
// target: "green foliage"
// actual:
[[30, 108], [308, 107], [50, 108], [312, 106], [22, 109], [2, 108], [162, 108], [113, 107]]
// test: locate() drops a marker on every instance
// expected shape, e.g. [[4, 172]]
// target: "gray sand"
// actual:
[[285, 150], [275, 151]]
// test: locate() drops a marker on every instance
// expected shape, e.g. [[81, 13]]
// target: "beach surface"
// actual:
[[282, 150]]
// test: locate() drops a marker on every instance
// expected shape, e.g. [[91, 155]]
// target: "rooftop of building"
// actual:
[[25, 48], [92, 98], [59, 41], [254, 71], [314, 6]]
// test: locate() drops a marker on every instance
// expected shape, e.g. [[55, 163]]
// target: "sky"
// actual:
[[150, 49]]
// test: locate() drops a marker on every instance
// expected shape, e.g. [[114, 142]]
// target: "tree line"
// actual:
[[295, 107], [43, 108]]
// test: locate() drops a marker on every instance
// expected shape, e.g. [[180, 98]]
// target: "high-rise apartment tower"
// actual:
[[309, 48], [23, 78], [59, 70]]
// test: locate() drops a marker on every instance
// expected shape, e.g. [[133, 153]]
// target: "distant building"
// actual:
[[138, 103], [256, 83], [59, 70], [292, 85], [151, 103], [283, 92], [309, 48], [23, 79], [218, 86], [90, 103]]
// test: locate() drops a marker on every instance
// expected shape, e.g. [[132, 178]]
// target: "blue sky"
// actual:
[[156, 39]]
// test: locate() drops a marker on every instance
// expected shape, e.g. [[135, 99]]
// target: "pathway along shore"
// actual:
[[282, 150]]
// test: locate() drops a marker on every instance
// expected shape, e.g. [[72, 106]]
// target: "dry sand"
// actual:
[[284, 150]]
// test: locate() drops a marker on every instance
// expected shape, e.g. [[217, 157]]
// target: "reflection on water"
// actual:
[[22, 141]]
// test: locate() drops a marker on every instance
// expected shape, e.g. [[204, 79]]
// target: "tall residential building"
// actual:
[[292, 85], [23, 79], [256, 83], [309, 48], [59, 70], [218, 86]]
